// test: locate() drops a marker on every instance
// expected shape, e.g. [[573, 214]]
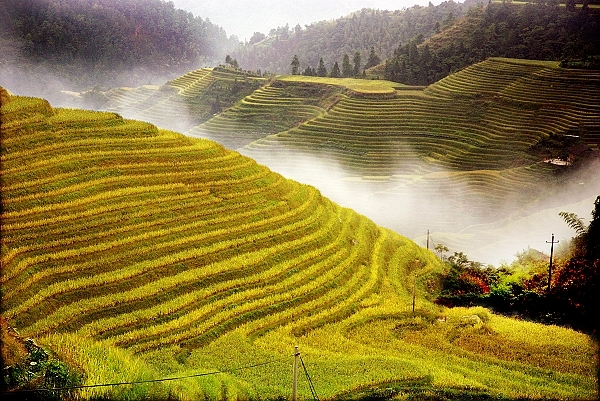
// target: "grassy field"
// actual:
[[137, 253]]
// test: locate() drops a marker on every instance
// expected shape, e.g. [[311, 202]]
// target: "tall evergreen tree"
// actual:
[[335, 71], [295, 65], [346, 66], [309, 72], [321, 70], [373, 59], [357, 60]]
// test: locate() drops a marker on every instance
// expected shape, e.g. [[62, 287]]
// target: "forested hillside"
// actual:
[[358, 32], [134, 42], [421, 45], [527, 31], [107, 42]]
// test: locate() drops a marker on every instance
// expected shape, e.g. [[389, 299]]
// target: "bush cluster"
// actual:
[[36, 369], [522, 288]]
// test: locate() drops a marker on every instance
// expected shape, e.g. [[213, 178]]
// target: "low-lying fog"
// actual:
[[454, 217], [488, 233]]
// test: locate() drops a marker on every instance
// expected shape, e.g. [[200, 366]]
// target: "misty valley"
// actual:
[[424, 160], [190, 217]]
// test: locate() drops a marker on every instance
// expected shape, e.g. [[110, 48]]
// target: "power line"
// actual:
[[145, 381], [310, 383]]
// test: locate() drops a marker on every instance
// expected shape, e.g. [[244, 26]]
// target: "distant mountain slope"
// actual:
[[534, 31], [137, 254], [358, 32], [104, 42], [489, 126]]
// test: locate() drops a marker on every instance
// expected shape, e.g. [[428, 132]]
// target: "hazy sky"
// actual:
[[242, 18]]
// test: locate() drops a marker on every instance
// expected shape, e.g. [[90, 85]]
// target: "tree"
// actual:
[[231, 61], [321, 70], [335, 71], [449, 20], [586, 243], [257, 37], [578, 282], [585, 6], [308, 71], [357, 61], [593, 233], [295, 65], [373, 59], [466, 282], [346, 66], [440, 248], [570, 5]]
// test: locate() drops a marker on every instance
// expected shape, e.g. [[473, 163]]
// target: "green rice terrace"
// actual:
[[133, 254], [185, 101], [459, 157]]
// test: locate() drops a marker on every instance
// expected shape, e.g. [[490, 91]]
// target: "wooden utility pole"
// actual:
[[427, 239], [550, 266], [295, 377]]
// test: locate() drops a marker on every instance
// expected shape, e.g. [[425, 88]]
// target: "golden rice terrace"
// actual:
[[137, 253]]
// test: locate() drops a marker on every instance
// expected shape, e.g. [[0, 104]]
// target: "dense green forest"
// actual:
[[92, 42], [529, 31], [134, 42], [421, 45], [381, 30]]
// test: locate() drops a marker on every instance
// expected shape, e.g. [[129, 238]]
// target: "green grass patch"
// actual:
[[374, 86]]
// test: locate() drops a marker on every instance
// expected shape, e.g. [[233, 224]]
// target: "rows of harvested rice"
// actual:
[[192, 83], [138, 274], [144, 219]]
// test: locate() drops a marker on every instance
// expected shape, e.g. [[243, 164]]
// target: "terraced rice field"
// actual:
[[485, 117], [464, 135], [373, 145], [137, 253], [180, 104]]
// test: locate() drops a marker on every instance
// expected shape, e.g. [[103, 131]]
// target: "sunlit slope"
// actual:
[[484, 117], [92, 201], [137, 253]]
